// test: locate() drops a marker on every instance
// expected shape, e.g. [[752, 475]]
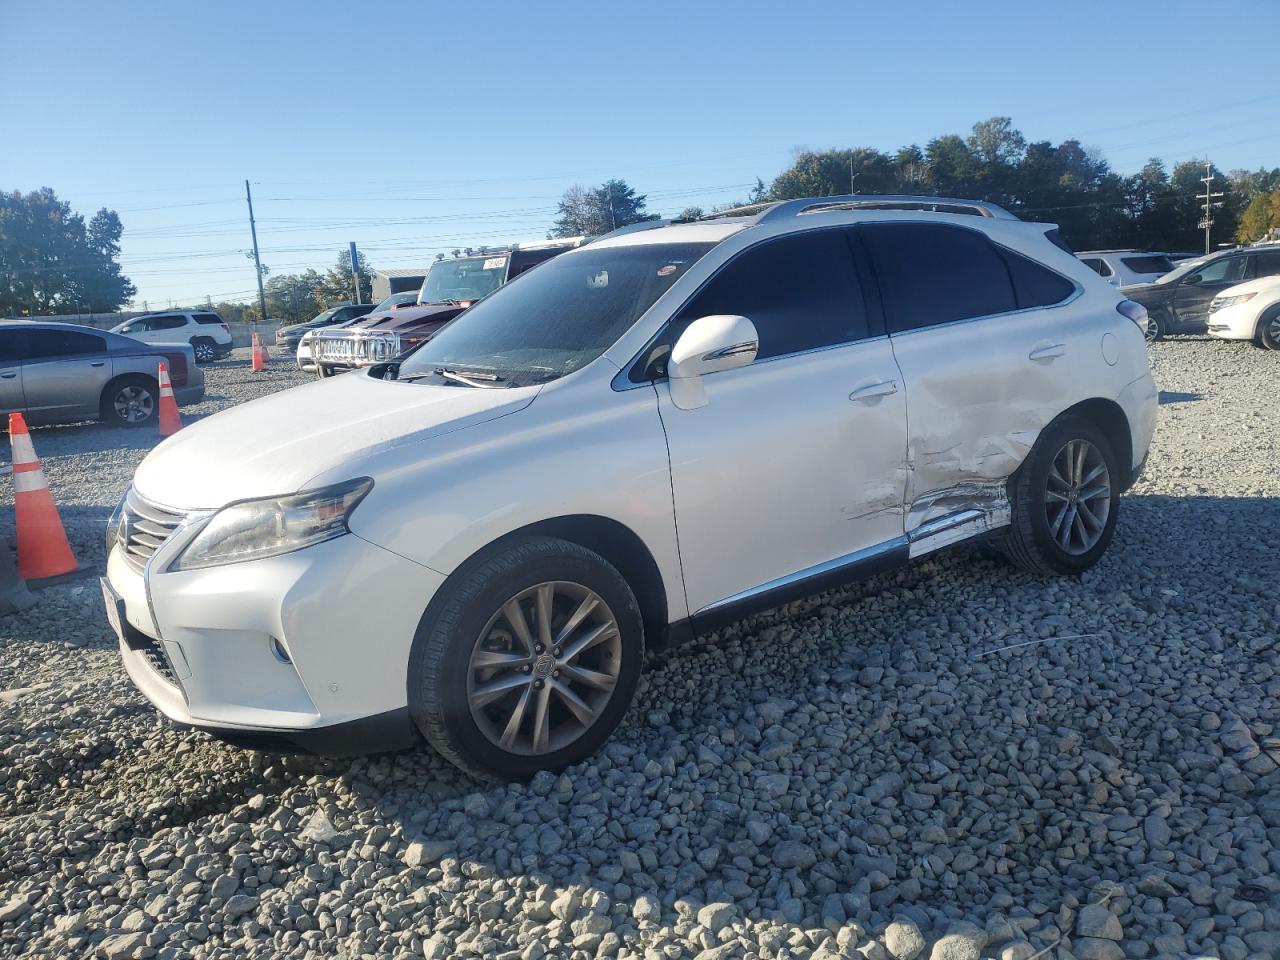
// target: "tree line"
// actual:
[[53, 261], [1064, 183]]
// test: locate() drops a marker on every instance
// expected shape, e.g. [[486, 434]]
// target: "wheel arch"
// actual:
[[615, 542], [1111, 419], [1265, 315], [119, 378]]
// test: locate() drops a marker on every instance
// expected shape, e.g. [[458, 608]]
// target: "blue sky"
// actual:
[[416, 127]]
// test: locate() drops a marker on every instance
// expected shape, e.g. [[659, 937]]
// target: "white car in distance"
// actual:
[[1248, 311], [208, 334], [476, 544], [1120, 268]]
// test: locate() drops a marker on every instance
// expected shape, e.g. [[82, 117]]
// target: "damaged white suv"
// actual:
[[474, 544]]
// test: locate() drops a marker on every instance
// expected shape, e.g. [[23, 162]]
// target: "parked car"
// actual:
[[209, 336], [1179, 301], [63, 372], [1248, 311], [450, 287], [514, 486], [1126, 267], [303, 353], [287, 337]]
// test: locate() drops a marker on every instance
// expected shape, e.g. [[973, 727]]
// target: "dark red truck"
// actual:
[[450, 287]]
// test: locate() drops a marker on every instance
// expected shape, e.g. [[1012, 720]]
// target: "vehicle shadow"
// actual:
[[1173, 396]]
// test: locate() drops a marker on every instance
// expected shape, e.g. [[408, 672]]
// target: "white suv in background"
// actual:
[[476, 543], [208, 335], [1120, 268]]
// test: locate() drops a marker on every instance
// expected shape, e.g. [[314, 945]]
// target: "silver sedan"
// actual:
[[63, 372]]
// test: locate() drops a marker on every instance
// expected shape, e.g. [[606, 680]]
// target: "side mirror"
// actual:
[[708, 345]]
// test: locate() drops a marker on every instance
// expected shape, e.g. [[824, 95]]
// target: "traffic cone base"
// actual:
[[170, 419], [43, 551]]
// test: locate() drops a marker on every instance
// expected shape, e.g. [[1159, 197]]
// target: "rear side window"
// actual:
[[44, 344], [166, 322], [800, 291], [1267, 264], [1033, 284], [1147, 264], [932, 273], [10, 346], [208, 318]]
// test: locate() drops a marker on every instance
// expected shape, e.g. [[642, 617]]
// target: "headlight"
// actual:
[[253, 529], [1220, 302]]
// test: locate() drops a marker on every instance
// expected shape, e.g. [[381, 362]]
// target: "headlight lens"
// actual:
[[253, 529], [1220, 302]]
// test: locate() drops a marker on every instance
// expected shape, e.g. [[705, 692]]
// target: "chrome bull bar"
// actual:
[[357, 348]]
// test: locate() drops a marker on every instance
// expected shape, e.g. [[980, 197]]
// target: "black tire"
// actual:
[[452, 627], [206, 350], [323, 372], [1029, 541], [1155, 327], [1269, 329], [135, 396]]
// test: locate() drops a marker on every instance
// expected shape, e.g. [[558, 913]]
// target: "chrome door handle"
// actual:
[[8, 376], [875, 391], [1047, 352], [98, 363]]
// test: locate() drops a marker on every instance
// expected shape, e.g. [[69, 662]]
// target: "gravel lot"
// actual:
[[951, 762]]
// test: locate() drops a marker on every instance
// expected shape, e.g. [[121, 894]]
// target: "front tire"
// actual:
[[130, 402], [1066, 498], [1269, 329], [205, 350], [1155, 327], [527, 659]]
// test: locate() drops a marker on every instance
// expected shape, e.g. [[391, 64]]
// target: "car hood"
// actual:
[[295, 329], [1149, 293], [407, 318], [279, 443], [1258, 285]]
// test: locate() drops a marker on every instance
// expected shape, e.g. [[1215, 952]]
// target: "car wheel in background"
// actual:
[[205, 350], [1065, 499], [130, 401], [526, 660], [323, 372], [1155, 327], [1269, 329]]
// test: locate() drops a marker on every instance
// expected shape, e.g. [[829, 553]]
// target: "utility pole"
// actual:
[[851, 177], [1210, 204], [257, 262], [355, 272]]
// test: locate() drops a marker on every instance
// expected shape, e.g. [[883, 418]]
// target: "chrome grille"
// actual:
[[355, 348], [144, 527]]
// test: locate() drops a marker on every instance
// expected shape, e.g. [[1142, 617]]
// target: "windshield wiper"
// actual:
[[472, 378]]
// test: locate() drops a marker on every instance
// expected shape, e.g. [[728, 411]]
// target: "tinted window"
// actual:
[[62, 343], [1033, 284], [166, 322], [209, 318], [1266, 264], [1226, 270], [931, 274], [800, 292], [10, 347], [1147, 264]]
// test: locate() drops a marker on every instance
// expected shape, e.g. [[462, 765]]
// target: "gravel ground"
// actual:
[[956, 761]]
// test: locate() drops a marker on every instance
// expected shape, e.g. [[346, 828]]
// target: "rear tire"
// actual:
[[1065, 499], [132, 401], [503, 699], [323, 372], [206, 350], [1269, 329], [1155, 327]]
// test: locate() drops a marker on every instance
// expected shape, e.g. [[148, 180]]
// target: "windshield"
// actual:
[[1182, 269], [558, 317], [468, 278], [322, 318]]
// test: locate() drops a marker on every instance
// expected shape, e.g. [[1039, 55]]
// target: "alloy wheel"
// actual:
[[1078, 497], [133, 404], [204, 353], [544, 668], [1273, 330], [1152, 332]]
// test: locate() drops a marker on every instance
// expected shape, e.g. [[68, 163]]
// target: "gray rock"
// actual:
[[14, 908], [1098, 922], [903, 939], [125, 946], [1093, 948], [716, 916], [789, 855], [240, 904], [424, 852]]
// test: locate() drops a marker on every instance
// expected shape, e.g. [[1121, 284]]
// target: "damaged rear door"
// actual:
[[985, 366]]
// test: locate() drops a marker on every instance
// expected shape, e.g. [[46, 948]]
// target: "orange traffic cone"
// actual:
[[258, 355], [170, 421], [43, 551]]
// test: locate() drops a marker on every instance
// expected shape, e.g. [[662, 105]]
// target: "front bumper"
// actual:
[[1232, 323], [353, 351], [204, 645]]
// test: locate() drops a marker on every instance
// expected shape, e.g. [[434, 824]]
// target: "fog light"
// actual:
[[278, 651]]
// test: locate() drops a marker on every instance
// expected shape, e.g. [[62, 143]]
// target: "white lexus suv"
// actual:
[[664, 430]]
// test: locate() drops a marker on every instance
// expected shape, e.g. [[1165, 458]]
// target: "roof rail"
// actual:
[[629, 228], [794, 208]]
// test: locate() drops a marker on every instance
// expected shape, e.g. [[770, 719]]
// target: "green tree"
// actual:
[[593, 211], [827, 173], [335, 286], [51, 262], [295, 297], [1259, 218]]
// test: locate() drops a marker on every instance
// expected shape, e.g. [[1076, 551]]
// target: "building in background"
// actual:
[[387, 282]]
